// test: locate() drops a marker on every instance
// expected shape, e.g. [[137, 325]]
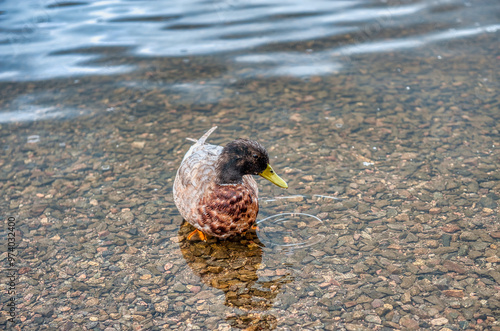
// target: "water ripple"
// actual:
[[48, 39], [291, 231]]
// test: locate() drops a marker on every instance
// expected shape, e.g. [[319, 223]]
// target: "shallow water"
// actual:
[[382, 116]]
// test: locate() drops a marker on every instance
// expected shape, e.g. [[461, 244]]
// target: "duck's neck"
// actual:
[[228, 172]]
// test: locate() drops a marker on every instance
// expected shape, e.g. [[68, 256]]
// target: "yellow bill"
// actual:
[[271, 176]]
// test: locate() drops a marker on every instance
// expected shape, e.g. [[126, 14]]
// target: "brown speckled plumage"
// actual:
[[218, 209]]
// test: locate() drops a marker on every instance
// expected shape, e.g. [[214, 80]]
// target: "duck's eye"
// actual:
[[255, 156]]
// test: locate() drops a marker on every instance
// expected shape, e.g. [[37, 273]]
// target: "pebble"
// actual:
[[450, 228], [439, 321], [408, 323], [468, 236], [373, 319], [161, 307], [454, 293], [377, 303]]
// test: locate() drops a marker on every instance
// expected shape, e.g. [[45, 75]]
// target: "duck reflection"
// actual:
[[231, 266]]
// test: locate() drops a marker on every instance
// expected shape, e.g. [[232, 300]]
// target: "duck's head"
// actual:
[[245, 157]]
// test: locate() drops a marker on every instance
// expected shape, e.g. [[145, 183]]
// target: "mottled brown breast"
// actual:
[[228, 210]]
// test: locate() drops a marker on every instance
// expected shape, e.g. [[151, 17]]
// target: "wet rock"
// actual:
[[450, 228], [45, 311], [439, 321], [468, 236], [356, 327], [411, 238], [373, 319], [377, 303], [488, 202], [454, 293], [127, 216], [161, 307], [446, 240], [408, 323], [408, 281], [454, 267]]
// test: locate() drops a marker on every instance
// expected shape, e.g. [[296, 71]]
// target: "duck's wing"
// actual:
[[199, 166], [195, 175]]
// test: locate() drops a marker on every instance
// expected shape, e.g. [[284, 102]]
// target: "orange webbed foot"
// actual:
[[201, 235]]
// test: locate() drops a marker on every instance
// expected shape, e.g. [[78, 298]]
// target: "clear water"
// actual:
[[382, 116]]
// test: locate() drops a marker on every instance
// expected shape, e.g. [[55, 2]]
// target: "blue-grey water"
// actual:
[[54, 39]]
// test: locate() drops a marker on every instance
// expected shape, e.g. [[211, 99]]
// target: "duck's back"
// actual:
[[195, 175]]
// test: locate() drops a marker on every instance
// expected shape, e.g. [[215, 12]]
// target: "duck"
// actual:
[[214, 188]]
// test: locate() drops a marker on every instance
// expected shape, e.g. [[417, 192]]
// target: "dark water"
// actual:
[[382, 116], [57, 39]]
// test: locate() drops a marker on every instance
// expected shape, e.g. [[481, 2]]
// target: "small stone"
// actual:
[[408, 156], [127, 216], [432, 243], [454, 293], [91, 324], [488, 202], [92, 302], [350, 304], [387, 308], [150, 209], [450, 228], [463, 250], [357, 315], [493, 259], [446, 239], [488, 211], [194, 288], [373, 319], [138, 318], [411, 238], [377, 303], [468, 236], [408, 281], [355, 327], [131, 250], [138, 144], [409, 323], [103, 234], [439, 321], [435, 211], [296, 117], [178, 287], [161, 307], [44, 310], [454, 267]]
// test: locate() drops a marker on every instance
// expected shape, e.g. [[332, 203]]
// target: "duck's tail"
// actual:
[[201, 141]]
